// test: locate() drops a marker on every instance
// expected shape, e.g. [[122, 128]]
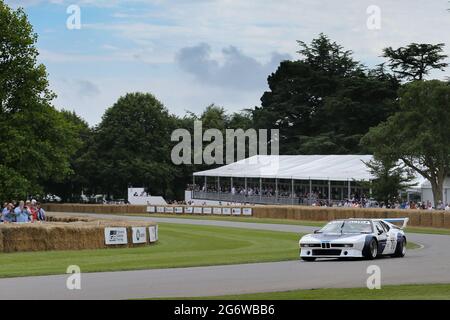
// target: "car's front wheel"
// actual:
[[308, 259], [370, 252], [400, 251]]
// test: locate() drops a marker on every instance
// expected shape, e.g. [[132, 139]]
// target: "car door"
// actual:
[[391, 238], [383, 246]]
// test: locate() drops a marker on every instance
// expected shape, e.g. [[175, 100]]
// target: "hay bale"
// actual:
[[425, 219], [437, 219], [447, 220], [63, 233]]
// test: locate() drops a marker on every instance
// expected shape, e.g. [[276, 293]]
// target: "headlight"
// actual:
[[342, 245], [309, 245]]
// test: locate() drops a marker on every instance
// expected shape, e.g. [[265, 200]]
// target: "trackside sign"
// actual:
[[115, 236], [139, 234]]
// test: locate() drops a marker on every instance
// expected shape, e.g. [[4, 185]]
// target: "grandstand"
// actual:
[[299, 179]]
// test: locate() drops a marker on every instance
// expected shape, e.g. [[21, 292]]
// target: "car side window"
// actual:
[[385, 226], [379, 227]]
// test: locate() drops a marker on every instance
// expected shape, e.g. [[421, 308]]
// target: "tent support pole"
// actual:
[[276, 190], [310, 192], [260, 189], [292, 191], [349, 191], [218, 186], [329, 192]]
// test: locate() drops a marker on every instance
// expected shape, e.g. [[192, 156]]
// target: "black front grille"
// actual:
[[326, 252]]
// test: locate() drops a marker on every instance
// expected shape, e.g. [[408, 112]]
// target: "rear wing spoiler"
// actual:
[[401, 220]]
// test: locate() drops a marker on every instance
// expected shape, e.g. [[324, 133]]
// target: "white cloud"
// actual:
[[157, 34]]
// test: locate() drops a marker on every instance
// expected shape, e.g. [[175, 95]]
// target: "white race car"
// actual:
[[355, 238]]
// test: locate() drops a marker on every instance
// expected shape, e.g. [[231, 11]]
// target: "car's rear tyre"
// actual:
[[400, 251], [370, 251], [308, 259]]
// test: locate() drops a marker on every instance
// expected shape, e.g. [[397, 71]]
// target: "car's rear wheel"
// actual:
[[309, 259], [400, 251], [370, 252]]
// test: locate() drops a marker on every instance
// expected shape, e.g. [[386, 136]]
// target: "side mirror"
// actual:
[[316, 231]]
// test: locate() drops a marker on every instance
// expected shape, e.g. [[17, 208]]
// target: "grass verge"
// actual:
[[400, 292], [179, 246]]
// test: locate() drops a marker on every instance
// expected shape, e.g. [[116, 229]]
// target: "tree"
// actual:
[[70, 187], [132, 147], [390, 179], [415, 61], [35, 141], [419, 133], [326, 101]]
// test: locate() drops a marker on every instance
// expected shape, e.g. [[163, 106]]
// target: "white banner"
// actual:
[[139, 234], [217, 210], [247, 211], [207, 210], [116, 236], [198, 210], [226, 211], [153, 233], [188, 210], [179, 210], [236, 211], [151, 209], [160, 209], [169, 209]]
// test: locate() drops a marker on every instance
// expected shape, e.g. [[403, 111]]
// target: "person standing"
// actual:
[[21, 212], [40, 212]]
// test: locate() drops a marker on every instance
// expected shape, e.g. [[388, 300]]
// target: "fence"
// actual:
[[418, 218]]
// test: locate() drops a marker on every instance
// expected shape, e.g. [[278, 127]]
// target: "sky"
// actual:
[[191, 53]]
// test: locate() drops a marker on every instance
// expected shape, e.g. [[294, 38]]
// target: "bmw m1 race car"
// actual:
[[355, 238]]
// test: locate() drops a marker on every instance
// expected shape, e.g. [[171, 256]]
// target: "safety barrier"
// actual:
[[419, 218]]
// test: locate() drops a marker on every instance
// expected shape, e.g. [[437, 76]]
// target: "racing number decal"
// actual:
[[391, 243]]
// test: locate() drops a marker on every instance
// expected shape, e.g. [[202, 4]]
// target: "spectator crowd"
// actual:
[[316, 198], [22, 212]]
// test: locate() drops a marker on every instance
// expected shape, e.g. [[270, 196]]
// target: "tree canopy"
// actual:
[[36, 142], [326, 101], [415, 61], [419, 133]]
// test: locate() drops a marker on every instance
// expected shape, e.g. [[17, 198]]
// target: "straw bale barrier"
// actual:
[[64, 233], [418, 218]]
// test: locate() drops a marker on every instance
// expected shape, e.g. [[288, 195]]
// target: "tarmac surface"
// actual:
[[429, 264]]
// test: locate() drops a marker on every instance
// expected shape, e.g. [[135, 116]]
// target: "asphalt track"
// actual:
[[430, 264]]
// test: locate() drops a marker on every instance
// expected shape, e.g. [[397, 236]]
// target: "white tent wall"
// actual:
[[427, 193]]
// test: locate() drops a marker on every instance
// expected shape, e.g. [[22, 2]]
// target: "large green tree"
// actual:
[[36, 142], [419, 133], [326, 101], [71, 186], [132, 147]]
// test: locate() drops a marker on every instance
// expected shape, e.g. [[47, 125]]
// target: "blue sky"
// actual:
[[191, 53]]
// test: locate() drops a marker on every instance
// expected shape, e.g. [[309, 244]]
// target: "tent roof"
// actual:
[[300, 167]]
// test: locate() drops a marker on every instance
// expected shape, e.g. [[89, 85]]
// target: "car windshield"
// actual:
[[350, 226]]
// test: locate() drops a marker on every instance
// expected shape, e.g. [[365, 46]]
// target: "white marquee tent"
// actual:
[[309, 167], [302, 167]]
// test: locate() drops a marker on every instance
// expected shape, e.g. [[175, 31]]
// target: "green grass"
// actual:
[[178, 246], [284, 221], [401, 292]]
